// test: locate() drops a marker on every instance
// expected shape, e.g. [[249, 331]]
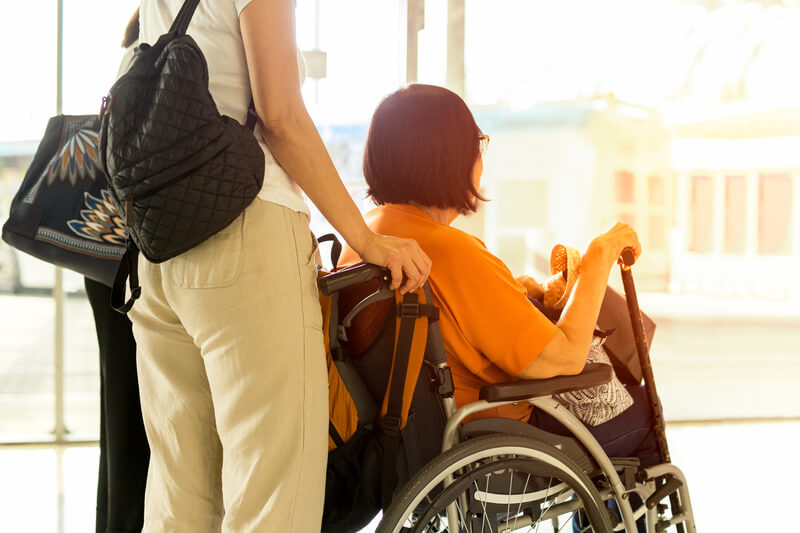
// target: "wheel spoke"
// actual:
[[570, 519], [485, 516], [461, 513], [508, 501], [539, 521], [519, 503]]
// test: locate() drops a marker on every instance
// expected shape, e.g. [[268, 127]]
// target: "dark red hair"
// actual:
[[422, 145], [131, 30]]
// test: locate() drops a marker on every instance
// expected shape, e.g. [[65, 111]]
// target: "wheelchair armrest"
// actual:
[[592, 375], [354, 275]]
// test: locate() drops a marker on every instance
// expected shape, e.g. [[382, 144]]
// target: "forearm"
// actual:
[[570, 346], [297, 146], [270, 46], [580, 314], [566, 353]]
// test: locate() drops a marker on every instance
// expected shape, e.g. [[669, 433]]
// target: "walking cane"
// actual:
[[626, 260]]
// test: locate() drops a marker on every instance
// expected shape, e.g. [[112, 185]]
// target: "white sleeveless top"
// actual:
[[215, 28]]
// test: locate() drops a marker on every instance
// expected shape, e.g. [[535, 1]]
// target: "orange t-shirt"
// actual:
[[491, 331]]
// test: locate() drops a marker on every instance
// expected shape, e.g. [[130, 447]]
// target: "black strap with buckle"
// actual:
[[416, 310], [409, 310], [443, 381]]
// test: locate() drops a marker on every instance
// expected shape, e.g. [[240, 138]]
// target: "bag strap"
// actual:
[[409, 311], [252, 118], [184, 16], [337, 439], [336, 248], [392, 419], [128, 269], [179, 27]]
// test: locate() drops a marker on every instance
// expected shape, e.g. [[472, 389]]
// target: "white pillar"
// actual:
[[60, 430], [414, 22], [455, 78]]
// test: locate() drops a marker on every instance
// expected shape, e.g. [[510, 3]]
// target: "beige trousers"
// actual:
[[233, 380]]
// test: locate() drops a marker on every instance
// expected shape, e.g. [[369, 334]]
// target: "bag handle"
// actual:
[[128, 270], [181, 22], [336, 249]]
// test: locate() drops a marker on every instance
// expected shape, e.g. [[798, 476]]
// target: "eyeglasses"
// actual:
[[483, 143]]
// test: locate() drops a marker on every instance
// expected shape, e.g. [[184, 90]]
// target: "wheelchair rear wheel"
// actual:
[[497, 483]]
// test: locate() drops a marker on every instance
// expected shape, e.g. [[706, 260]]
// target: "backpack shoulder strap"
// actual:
[[184, 16], [334, 434], [409, 352]]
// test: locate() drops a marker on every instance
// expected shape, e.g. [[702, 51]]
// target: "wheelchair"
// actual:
[[498, 474]]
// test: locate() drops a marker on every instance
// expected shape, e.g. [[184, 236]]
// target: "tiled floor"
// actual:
[[743, 477], [710, 363]]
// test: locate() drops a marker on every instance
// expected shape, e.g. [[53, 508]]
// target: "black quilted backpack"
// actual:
[[178, 170]]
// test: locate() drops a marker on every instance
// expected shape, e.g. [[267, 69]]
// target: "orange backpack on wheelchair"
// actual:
[[376, 343]]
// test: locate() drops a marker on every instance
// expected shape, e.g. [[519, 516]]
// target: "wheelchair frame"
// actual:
[[617, 489], [539, 393]]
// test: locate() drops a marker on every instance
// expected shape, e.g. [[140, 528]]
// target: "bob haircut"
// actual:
[[422, 146]]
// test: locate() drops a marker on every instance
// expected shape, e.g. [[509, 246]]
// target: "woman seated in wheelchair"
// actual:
[[423, 164]]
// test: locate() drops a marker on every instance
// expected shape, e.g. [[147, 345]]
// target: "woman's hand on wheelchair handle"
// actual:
[[405, 259]]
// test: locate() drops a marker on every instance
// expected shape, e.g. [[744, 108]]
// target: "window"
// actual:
[[656, 233], [735, 215], [774, 214], [624, 192], [701, 214], [655, 191], [92, 32], [358, 53], [365, 50], [627, 217]]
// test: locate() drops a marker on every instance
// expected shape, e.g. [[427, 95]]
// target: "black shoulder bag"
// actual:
[[178, 170], [62, 212]]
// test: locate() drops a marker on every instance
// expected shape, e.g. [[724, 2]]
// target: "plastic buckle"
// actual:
[[341, 333], [444, 382], [391, 424], [406, 310]]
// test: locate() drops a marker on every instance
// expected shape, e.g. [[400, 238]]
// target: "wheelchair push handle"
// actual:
[[353, 276], [627, 258]]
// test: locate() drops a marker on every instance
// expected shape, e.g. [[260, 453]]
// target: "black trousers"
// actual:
[[124, 453]]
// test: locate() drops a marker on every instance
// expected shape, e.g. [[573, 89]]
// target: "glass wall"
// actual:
[[677, 117], [29, 95], [680, 117]]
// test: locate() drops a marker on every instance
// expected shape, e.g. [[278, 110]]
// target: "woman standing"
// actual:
[[231, 361], [124, 454]]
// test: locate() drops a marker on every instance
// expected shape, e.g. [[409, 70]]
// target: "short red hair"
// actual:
[[422, 146]]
